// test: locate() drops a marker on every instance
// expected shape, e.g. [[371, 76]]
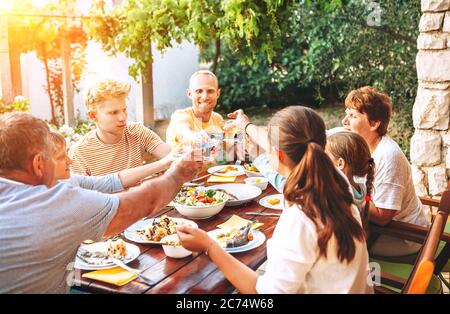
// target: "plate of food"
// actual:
[[238, 240], [227, 170], [238, 193], [251, 170], [273, 201], [99, 255], [152, 230]]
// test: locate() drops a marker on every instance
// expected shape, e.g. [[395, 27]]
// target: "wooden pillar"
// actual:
[[5, 64], [145, 112], [67, 84], [147, 97], [16, 75]]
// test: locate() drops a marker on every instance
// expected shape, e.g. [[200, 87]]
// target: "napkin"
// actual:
[[220, 179], [117, 276], [238, 222]]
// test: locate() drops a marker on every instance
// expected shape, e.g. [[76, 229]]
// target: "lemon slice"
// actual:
[[273, 201]]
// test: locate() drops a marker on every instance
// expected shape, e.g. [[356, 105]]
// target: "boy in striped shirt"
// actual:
[[114, 145]]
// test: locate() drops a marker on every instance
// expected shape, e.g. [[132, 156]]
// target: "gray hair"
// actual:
[[22, 136]]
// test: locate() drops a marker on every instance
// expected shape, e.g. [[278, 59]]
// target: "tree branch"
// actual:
[[216, 55], [47, 76]]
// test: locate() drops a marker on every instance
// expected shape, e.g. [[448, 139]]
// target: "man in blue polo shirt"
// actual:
[[42, 222]]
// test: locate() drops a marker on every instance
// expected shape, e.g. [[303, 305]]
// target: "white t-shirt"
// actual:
[[393, 184], [294, 265]]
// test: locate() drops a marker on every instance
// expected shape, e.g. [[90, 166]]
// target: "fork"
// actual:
[[137, 272], [191, 184], [237, 163], [205, 176], [228, 193]]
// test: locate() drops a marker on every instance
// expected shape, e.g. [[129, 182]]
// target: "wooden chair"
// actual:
[[418, 273]]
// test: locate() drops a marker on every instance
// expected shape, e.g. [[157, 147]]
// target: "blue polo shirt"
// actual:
[[41, 229]]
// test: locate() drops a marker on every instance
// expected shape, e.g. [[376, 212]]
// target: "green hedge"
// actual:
[[326, 54]]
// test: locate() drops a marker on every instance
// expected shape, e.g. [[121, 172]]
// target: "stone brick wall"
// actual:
[[430, 144]]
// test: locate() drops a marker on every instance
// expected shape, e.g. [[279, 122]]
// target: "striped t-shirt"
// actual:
[[90, 156]]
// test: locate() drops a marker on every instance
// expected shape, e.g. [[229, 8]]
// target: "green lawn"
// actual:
[[332, 115]]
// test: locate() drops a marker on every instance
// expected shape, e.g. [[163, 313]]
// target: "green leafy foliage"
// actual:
[[35, 29], [247, 27], [326, 53], [270, 53], [73, 134], [19, 104]]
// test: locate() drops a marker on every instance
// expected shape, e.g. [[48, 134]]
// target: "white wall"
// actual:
[[33, 85], [171, 73]]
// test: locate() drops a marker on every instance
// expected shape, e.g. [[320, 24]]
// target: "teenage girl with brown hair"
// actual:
[[318, 245]]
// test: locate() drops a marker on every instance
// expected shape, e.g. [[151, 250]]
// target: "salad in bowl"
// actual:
[[200, 202]]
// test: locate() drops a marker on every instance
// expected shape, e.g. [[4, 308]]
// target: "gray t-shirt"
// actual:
[[41, 229], [107, 184]]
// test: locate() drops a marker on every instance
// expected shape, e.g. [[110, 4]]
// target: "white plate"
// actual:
[[258, 239], [239, 172], [130, 232], [244, 192], [279, 206], [253, 173], [132, 253]]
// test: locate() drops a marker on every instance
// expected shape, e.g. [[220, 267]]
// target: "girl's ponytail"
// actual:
[[323, 194], [314, 184], [365, 216]]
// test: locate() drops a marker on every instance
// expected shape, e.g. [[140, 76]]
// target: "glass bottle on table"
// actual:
[[228, 147], [240, 146]]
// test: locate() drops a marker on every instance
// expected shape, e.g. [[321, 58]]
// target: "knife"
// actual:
[[263, 214]]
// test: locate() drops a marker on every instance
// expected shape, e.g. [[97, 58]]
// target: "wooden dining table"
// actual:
[[195, 274]]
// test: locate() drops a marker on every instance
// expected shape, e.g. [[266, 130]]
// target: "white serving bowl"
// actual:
[[174, 251], [199, 212], [260, 182]]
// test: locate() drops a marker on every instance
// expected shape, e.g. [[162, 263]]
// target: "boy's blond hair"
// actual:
[[103, 90]]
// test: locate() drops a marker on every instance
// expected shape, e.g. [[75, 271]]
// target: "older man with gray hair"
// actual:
[[43, 222]]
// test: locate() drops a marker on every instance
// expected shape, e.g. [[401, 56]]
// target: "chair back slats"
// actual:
[[421, 280], [429, 201], [425, 261], [430, 247]]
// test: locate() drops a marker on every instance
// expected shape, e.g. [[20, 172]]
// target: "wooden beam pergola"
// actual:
[[5, 63], [10, 70], [148, 111], [67, 83], [145, 111], [11, 80]]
